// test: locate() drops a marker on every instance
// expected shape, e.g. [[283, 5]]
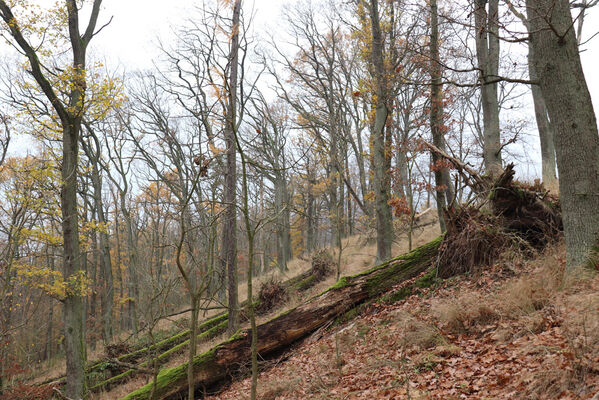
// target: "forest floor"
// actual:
[[357, 255], [517, 330]]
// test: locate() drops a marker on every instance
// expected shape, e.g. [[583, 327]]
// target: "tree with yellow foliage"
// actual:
[[67, 103]]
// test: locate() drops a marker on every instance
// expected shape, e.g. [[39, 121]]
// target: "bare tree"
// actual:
[[229, 240], [272, 124]]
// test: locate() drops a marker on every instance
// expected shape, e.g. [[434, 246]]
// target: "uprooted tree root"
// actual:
[[522, 217], [272, 294], [322, 264], [473, 239]]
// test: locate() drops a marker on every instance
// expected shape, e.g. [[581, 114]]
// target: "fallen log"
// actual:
[[168, 348], [106, 373], [219, 364]]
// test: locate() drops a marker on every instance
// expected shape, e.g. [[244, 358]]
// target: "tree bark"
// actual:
[[548, 161], [563, 85], [442, 181], [487, 54], [282, 222], [229, 242], [107, 294], [384, 220]]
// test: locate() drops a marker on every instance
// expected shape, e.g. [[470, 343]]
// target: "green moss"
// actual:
[[397, 272], [350, 314], [341, 283], [396, 295], [384, 276], [168, 377], [114, 380], [428, 279], [209, 334], [306, 283]]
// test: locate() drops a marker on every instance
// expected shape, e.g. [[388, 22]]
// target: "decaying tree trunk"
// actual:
[[110, 372], [217, 365]]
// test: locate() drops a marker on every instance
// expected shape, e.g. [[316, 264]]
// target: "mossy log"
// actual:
[[108, 371], [176, 344], [219, 364], [104, 374], [162, 358]]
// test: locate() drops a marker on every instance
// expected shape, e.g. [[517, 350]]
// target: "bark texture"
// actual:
[[563, 85], [487, 53], [381, 183], [548, 161], [442, 180], [229, 242]]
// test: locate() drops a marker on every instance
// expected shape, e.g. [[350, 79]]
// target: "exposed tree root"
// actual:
[[521, 217]]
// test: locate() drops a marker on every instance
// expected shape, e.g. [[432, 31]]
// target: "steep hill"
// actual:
[[518, 330]]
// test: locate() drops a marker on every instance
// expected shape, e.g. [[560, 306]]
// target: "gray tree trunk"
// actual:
[[107, 294], [73, 304], [310, 211], [442, 181], [93, 275], [229, 243], [282, 222], [563, 85], [548, 161], [384, 222], [487, 53]]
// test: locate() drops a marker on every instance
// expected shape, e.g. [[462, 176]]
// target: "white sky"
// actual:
[[130, 41], [131, 37], [136, 25]]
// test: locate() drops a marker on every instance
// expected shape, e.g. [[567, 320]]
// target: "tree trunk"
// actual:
[[93, 275], [73, 303], [229, 243], [442, 181], [119, 270], [548, 162], [282, 222], [563, 85], [310, 210], [132, 281], [192, 347], [487, 53], [107, 296], [384, 221]]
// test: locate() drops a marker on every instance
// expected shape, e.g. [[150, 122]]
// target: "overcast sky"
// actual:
[[131, 37], [130, 41]]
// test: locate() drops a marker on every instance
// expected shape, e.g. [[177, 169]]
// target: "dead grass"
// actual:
[[121, 390], [417, 333], [520, 330], [467, 310], [356, 256]]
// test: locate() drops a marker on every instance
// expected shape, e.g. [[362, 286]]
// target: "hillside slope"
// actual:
[[357, 256], [516, 331]]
